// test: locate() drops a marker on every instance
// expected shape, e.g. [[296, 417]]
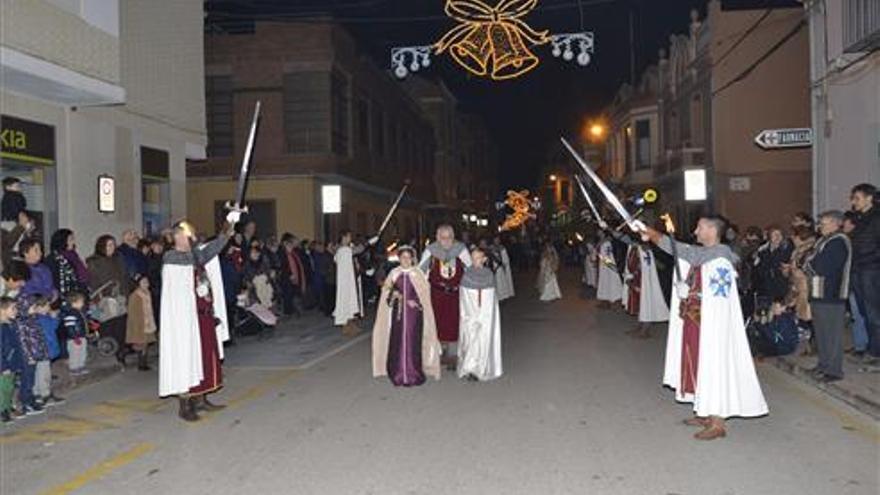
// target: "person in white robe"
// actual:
[[651, 305], [610, 286], [349, 294], [503, 273], [193, 320], [479, 347], [708, 361], [548, 284], [591, 257]]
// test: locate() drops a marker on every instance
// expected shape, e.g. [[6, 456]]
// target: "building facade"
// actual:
[[694, 119], [101, 89], [845, 83], [329, 118]]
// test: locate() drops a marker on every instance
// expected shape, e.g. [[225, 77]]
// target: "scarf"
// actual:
[[478, 278], [443, 254]]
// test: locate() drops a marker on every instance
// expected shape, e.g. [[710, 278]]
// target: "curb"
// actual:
[[867, 405]]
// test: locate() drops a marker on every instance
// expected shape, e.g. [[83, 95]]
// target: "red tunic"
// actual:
[[634, 265], [690, 340], [212, 374], [445, 279]]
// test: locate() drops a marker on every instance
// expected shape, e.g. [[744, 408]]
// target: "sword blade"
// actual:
[[583, 189], [246, 160], [609, 196], [392, 210]]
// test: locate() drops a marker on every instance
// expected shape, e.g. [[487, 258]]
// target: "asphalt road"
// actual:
[[580, 410]]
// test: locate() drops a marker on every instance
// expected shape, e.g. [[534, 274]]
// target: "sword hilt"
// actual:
[[231, 206]]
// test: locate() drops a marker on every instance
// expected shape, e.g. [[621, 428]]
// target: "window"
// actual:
[[219, 115], [643, 144], [339, 104], [697, 121], [362, 110], [627, 148], [378, 130], [306, 112]]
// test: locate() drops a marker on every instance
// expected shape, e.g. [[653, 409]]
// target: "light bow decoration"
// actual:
[[492, 42], [518, 201]]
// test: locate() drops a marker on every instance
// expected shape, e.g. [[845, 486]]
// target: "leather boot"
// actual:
[[203, 404], [187, 410], [142, 361], [715, 429]]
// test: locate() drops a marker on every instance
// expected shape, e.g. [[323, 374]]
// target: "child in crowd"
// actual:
[[141, 326], [48, 323], [10, 356], [33, 347], [776, 333], [12, 204], [75, 330]]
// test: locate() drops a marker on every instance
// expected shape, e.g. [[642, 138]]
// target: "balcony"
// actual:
[[861, 25]]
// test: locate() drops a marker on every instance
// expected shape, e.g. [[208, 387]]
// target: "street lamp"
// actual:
[[552, 177], [597, 131]]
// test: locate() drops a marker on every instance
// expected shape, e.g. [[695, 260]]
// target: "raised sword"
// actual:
[[238, 203]]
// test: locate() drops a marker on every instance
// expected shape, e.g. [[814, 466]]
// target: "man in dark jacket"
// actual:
[[828, 271], [866, 264]]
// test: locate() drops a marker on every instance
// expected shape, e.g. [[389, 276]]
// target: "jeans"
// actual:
[[866, 284], [26, 386], [859, 332], [43, 379]]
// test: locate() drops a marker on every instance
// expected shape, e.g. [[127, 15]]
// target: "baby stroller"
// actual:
[[107, 321], [251, 314]]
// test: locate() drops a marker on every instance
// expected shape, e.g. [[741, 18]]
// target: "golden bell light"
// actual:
[[511, 56]]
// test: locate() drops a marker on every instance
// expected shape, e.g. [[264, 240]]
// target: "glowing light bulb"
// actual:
[[556, 51], [400, 71], [568, 55], [414, 66], [583, 59]]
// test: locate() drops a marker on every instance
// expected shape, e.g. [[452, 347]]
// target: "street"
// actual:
[[579, 410]]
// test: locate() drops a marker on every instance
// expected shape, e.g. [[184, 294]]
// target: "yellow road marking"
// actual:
[[101, 470], [102, 416]]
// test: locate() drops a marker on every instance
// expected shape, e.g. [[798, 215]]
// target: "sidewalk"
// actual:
[[858, 388]]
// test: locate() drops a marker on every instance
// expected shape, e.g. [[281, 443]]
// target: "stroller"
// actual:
[[251, 314], [107, 321]]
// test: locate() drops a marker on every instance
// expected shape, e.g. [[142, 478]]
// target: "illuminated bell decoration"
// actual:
[[519, 202], [492, 42]]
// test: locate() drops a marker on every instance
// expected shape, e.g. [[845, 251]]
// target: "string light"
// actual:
[[493, 42]]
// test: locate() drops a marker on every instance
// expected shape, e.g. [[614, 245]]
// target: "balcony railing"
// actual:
[[861, 25]]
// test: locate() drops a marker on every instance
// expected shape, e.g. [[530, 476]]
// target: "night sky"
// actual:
[[524, 115]]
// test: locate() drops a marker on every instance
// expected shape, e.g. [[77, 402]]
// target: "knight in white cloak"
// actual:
[[503, 273], [644, 294], [610, 286], [444, 262], [708, 361], [193, 320], [479, 348], [349, 293]]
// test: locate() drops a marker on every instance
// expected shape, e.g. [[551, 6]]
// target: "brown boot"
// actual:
[[644, 331], [715, 429], [203, 404], [187, 410], [696, 421]]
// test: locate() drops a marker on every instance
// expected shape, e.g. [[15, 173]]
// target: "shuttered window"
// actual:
[[219, 115], [307, 112]]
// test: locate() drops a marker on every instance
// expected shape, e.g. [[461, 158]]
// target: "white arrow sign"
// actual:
[[785, 138]]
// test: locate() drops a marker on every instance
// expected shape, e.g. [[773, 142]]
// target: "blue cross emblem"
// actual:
[[648, 259], [720, 282]]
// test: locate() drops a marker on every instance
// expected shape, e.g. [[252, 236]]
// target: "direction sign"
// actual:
[[769, 139]]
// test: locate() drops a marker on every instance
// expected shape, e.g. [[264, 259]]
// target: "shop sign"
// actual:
[[26, 141]]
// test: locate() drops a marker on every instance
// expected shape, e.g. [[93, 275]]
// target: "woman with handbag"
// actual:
[[108, 284]]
